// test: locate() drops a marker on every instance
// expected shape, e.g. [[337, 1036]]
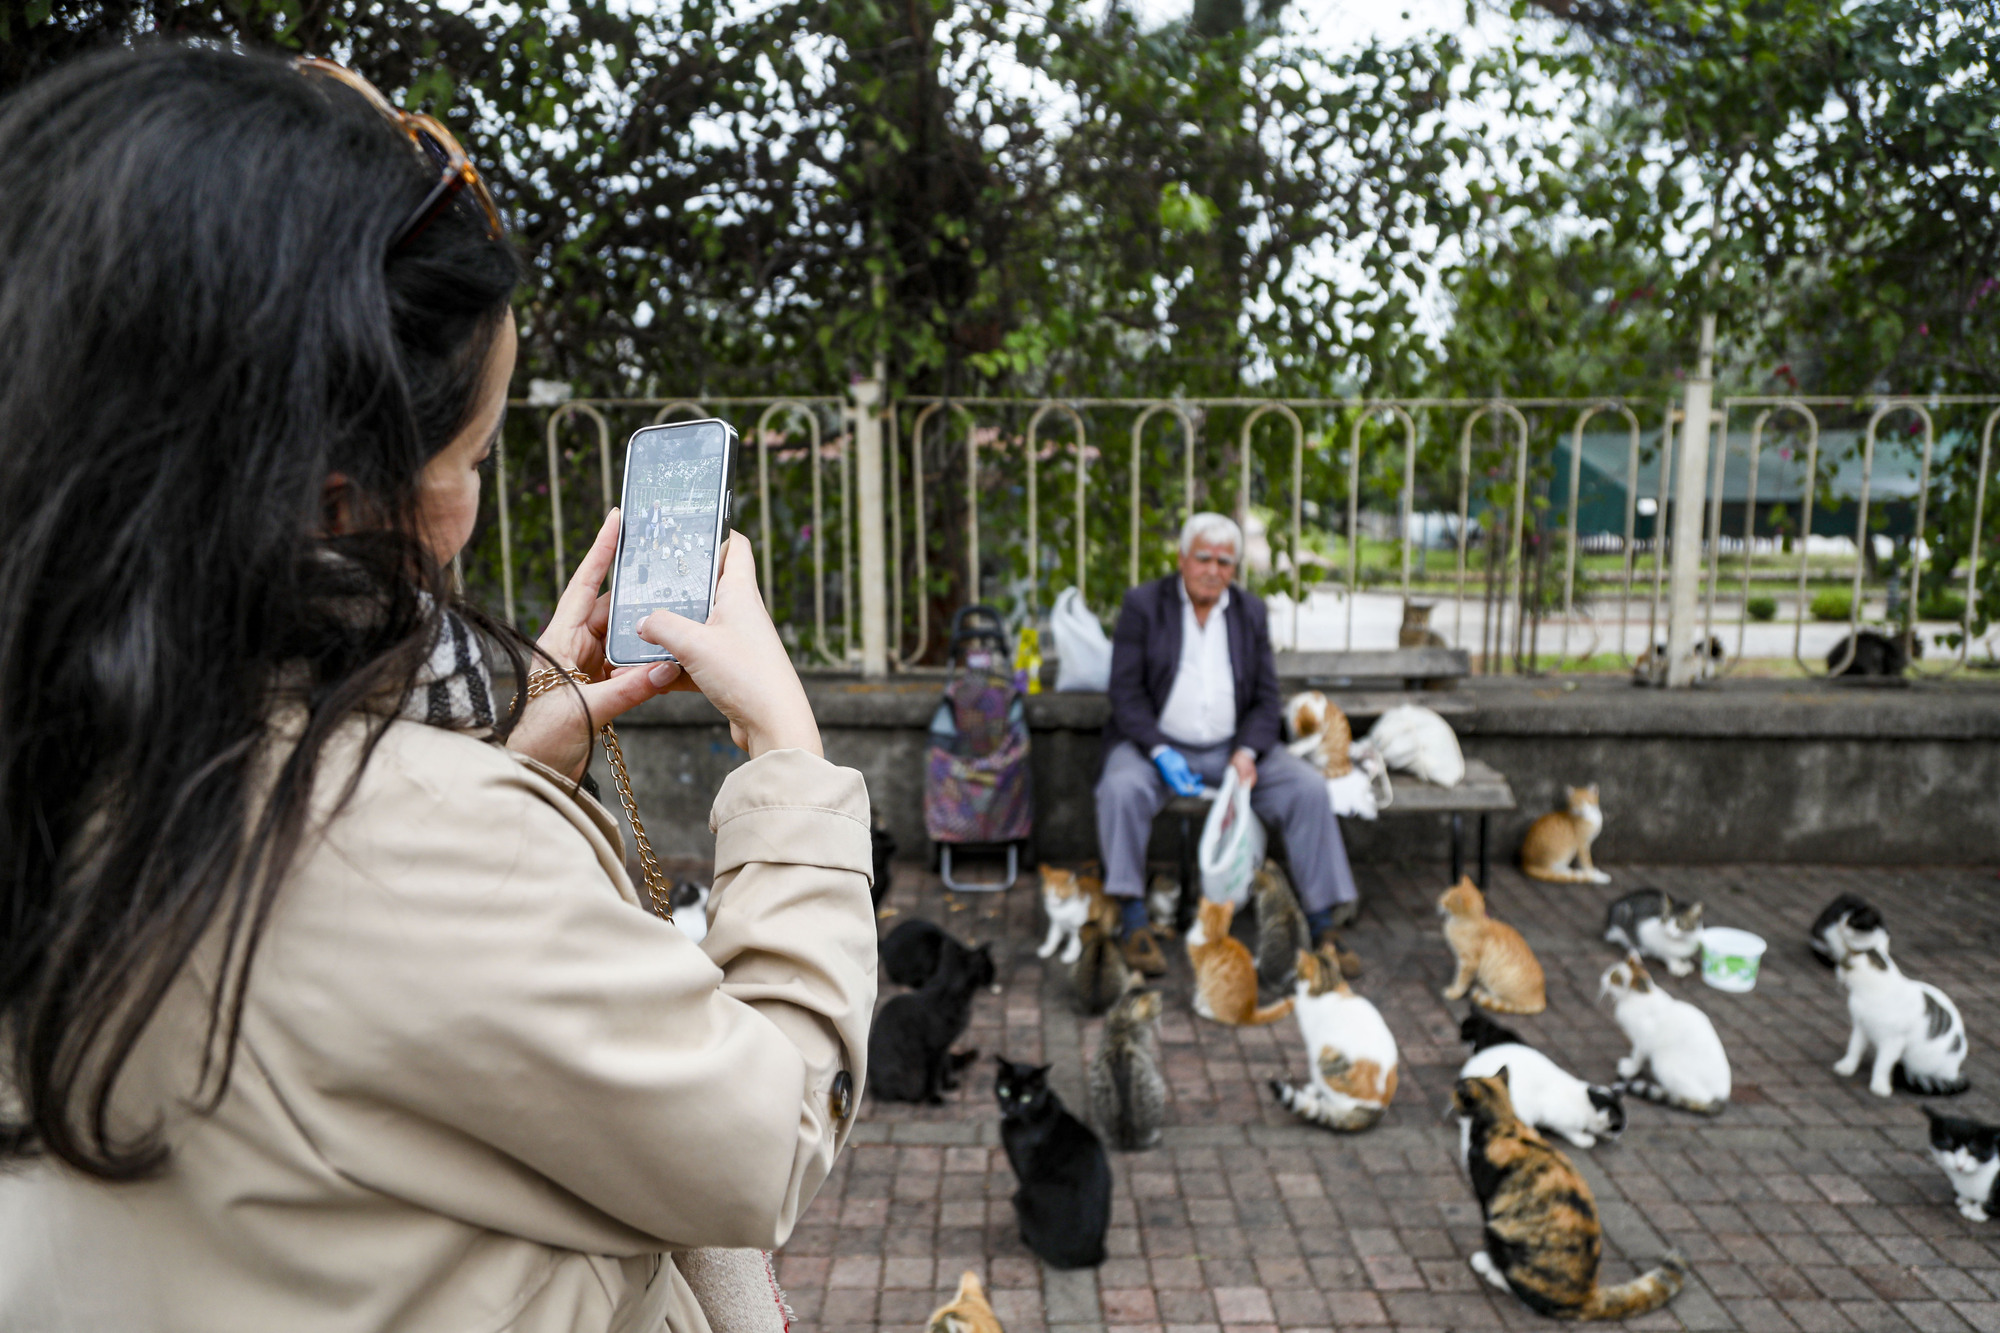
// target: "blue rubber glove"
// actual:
[[1174, 768]]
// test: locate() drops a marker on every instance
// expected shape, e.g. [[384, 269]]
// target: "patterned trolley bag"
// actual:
[[976, 781]]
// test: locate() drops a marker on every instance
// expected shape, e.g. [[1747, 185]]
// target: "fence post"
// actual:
[[1690, 508], [868, 463]]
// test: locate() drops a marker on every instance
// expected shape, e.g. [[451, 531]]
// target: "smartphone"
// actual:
[[675, 509]]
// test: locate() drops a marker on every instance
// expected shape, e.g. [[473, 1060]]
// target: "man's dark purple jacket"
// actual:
[[1146, 655]]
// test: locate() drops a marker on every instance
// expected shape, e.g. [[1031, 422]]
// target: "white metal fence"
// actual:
[[1008, 500]]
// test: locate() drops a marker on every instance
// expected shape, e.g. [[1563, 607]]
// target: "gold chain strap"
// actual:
[[540, 682]]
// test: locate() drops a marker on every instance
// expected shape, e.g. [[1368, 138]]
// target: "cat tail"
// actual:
[[1270, 1013], [1928, 1085], [1301, 1103], [1650, 1091], [1643, 1294]]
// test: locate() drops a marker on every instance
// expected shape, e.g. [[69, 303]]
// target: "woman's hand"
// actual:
[[553, 728], [737, 660]]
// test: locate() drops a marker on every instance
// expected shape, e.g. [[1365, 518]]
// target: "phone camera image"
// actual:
[[666, 550]]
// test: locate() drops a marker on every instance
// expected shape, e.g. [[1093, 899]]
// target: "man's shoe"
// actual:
[[1142, 953], [1343, 914], [1350, 962]]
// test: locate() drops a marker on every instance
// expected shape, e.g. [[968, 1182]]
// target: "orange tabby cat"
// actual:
[[1225, 975], [1557, 847], [1321, 734], [1494, 962], [967, 1313]]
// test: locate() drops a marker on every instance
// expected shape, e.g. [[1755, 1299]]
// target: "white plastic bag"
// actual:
[[1083, 653], [1417, 741], [1232, 844]]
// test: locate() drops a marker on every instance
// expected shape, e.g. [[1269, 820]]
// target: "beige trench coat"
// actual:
[[479, 1086]]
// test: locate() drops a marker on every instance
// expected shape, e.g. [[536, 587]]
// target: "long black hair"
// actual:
[[200, 322]]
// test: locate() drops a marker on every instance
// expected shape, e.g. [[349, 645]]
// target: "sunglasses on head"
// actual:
[[434, 144]]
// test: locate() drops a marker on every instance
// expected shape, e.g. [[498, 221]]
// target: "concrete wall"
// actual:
[[1740, 771]]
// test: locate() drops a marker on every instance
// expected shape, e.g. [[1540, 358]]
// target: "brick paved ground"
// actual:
[[1808, 1205]]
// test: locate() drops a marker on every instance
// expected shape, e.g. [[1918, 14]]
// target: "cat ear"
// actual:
[[1500, 1077]]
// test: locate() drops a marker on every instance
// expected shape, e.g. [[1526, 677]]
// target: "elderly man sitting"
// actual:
[[1194, 691]]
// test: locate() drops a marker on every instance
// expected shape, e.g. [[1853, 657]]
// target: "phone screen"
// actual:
[[676, 485]]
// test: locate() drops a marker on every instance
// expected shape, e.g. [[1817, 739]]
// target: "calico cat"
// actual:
[[1648, 922], [1225, 977], [1968, 1153], [1281, 927], [1351, 1050], [689, 902], [1494, 962], [1670, 1038], [909, 1048], [1846, 925], [912, 950], [883, 847], [1128, 1096], [968, 1312], [1914, 1027], [1100, 975], [1544, 1094], [1070, 900], [1557, 847], [1543, 1239], [1319, 733], [1064, 1200]]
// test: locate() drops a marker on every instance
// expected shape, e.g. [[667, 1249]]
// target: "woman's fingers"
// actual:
[[579, 598]]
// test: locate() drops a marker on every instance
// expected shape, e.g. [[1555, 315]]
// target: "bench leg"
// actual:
[[1190, 877], [1457, 848], [1482, 853]]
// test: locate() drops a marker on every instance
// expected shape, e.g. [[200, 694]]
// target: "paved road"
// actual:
[[1808, 1205]]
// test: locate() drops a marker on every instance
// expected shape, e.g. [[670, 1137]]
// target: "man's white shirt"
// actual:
[[1201, 707]]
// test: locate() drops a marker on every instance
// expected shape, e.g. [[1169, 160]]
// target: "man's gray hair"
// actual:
[[1215, 529]]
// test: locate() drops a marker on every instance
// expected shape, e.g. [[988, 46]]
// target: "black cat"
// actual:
[[1064, 1202], [1874, 655], [910, 954], [884, 847], [909, 1049], [1968, 1152]]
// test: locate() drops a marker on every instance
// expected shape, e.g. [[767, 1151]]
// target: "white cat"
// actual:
[[1671, 1037], [1350, 1049], [1544, 1094], [1909, 1023], [690, 904], [1968, 1152]]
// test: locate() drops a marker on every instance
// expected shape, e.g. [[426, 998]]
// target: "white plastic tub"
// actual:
[[1730, 958]]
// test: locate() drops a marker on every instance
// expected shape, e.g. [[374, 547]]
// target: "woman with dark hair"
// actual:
[[325, 1000]]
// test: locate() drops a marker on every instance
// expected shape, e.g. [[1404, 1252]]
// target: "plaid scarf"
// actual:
[[454, 688]]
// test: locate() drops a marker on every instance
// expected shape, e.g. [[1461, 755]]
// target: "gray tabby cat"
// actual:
[[1282, 933], [1101, 974], [1128, 1096], [1648, 922]]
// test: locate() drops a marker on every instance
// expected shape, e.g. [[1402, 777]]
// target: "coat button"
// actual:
[[843, 1095]]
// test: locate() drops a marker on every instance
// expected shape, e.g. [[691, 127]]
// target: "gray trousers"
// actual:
[[1289, 793]]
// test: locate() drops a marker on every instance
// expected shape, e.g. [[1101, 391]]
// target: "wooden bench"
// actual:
[[1365, 685]]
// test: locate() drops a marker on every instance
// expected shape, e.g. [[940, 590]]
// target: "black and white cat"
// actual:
[[1848, 925], [690, 903], [909, 1049], [1968, 1152], [1649, 922], [1917, 1033], [1064, 1200], [1545, 1094]]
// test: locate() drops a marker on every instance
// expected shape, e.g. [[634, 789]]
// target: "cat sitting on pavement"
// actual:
[[1649, 923], [1063, 1203], [1671, 1040], [1917, 1033], [1557, 847], [909, 1047]]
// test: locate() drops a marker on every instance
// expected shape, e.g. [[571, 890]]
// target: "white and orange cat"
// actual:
[[1352, 1052], [1494, 963], [1320, 733], [1225, 975], [1070, 899], [1557, 847], [968, 1311]]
